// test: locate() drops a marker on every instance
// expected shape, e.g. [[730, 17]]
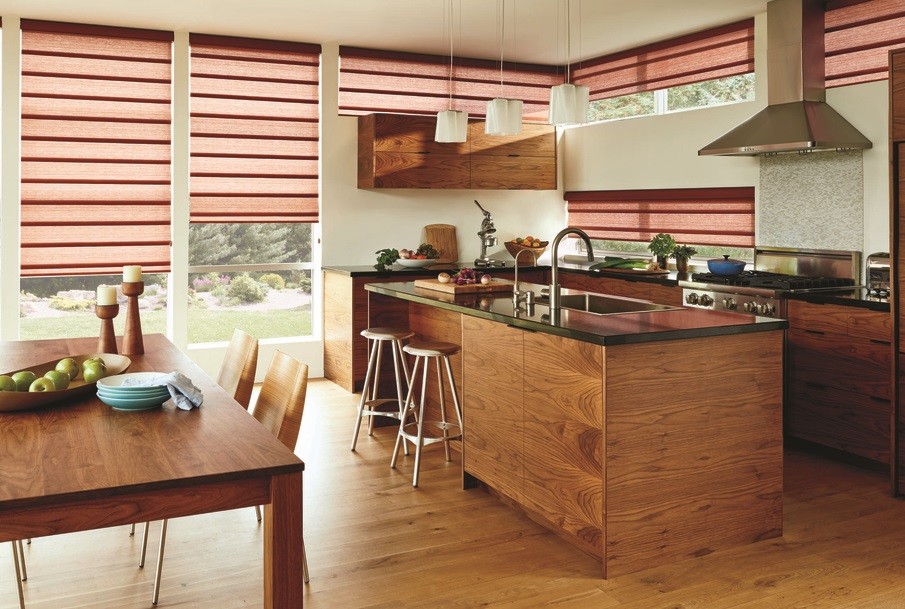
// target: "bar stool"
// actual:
[[369, 405], [438, 431]]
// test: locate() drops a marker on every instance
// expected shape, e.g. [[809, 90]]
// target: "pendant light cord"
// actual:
[[449, 18]]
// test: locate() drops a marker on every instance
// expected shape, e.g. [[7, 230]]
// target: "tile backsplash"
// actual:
[[813, 201]]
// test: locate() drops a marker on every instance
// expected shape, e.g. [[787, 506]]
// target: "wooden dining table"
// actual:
[[78, 464]]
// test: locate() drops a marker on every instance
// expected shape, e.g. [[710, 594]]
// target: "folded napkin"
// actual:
[[182, 391]]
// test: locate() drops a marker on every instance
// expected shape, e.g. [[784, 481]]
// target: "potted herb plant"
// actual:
[[662, 246], [682, 253]]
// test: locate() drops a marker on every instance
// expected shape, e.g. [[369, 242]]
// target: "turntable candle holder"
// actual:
[[133, 343]]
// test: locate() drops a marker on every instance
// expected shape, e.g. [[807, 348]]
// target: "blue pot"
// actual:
[[725, 266]]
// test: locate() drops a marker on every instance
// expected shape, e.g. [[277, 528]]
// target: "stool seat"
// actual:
[[423, 348], [387, 333]]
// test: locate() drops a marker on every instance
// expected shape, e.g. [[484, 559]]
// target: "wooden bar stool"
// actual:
[[370, 404], [437, 431]]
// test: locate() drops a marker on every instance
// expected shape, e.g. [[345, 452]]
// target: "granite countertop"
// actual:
[[853, 298], [669, 323]]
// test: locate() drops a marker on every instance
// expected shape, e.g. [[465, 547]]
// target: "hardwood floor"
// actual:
[[374, 542]]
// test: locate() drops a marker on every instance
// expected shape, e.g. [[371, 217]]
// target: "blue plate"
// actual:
[[132, 392], [119, 403]]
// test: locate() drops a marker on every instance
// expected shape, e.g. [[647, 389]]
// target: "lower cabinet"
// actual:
[[838, 372]]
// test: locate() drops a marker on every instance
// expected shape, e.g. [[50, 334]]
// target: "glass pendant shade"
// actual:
[[452, 126], [504, 117], [569, 104]]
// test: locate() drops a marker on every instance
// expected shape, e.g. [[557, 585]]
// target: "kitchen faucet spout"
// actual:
[[554, 263]]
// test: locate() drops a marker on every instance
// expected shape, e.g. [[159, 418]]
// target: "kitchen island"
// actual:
[[642, 438]]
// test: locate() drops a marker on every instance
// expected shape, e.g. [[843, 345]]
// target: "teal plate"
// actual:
[[134, 403], [133, 392]]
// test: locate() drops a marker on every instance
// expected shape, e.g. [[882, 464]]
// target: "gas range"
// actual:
[[777, 272]]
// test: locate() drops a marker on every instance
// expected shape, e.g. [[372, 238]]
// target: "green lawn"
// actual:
[[205, 326]]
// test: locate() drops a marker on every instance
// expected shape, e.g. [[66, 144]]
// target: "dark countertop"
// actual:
[[851, 298], [672, 323]]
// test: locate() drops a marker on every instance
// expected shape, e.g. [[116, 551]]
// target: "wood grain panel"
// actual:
[[690, 471], [338, 328], [412, 170], [563, 445], [632, 289], [664, 294], [588, 283], [843, 362], [865, 323], [897, 94], [494, 429], [493, 172], [534, 140], [842, 420]]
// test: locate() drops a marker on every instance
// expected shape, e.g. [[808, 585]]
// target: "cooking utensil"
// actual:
[[726, 266]]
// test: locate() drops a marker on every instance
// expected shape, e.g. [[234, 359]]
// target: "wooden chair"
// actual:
[[279, 408], [237, 372]]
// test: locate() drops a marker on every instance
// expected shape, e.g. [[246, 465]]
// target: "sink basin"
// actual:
[[607, 305]]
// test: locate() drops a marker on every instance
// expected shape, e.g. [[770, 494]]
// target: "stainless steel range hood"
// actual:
[[797, 117]]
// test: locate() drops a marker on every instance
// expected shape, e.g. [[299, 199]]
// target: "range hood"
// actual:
[[797, 117]]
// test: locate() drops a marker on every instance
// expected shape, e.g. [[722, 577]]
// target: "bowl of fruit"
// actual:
[[425, 255], [533, 244]]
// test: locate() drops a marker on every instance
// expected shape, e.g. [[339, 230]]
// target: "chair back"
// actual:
[[281, 401], [237, 373]]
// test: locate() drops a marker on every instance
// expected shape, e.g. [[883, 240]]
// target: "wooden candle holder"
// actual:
[[106, 342], [133, 344]]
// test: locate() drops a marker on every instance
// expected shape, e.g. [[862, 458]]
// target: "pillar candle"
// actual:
[[106, 295], [131, 274]]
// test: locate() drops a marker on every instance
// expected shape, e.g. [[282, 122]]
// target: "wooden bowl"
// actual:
[[515, 248]]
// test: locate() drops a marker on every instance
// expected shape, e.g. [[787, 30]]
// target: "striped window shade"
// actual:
[[859, 36], [408, 83], [254, 130], [95, 185], [696, 216], [716, 53]]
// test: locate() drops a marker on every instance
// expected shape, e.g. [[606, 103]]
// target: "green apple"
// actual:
[[24, 379], [69, 366], [7, 383], [60, 379], [93, 371], [42, 384]]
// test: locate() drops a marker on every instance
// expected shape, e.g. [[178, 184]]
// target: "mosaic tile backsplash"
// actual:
[[813, 201]]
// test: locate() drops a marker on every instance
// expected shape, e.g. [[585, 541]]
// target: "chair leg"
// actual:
[[18, 575], [163, 541], [304, 562], [22, 559], [132, 530], [144, 545]]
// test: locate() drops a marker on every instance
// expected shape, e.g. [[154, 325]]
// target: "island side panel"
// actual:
[[563, 455], [693, 442], [338, 329]]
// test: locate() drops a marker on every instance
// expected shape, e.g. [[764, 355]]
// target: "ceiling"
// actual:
[[534, 30]]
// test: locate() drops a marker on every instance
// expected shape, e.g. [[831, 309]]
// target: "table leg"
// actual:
[[283, 543]]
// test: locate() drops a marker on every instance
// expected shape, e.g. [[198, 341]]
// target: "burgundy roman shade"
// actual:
[[696, 216], [716, 53], [408, 83], [859, 36], [95, 149], [254, 130]]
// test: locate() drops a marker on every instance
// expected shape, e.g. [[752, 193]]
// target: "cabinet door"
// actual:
[[564, 435], [535, 140], [405, 133], [632, 289], [493, 379], [664, 294], [417, 170], [897, 86], [491, 172]]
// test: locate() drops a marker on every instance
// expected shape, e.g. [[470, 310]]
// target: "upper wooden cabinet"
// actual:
[[399, 151], [897, 94]]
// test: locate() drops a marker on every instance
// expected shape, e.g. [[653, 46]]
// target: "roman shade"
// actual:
[[409, 83], [254, 130], [716, 53], [859, 36], [95, 185], [696, 216]]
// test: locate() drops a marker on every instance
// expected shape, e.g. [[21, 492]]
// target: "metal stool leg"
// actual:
[[443, 410], [399, 362], [375, 383], [22, 559], [455, 394], [18, 575], [364, 392], [144, 545], [399, 437], [304, 562], [163, 541]]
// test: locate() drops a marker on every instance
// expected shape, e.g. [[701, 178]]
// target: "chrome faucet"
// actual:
[[554, 263], [517, 294]]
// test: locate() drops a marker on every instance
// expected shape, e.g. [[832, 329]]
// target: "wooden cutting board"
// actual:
[[443, 238], [496, 285]]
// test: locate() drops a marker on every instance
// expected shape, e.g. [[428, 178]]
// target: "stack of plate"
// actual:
[[132, 391]]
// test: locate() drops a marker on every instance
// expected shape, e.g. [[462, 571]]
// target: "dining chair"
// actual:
[[279, 409], [237, 372]]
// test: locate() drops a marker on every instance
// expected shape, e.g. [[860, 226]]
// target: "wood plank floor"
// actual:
[[374, 542]]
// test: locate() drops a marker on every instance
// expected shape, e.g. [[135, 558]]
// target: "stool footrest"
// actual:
[[433, 435]]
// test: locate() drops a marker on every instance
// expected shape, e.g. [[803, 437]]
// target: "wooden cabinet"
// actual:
[[399, 151], [839, 362], [897, 95]]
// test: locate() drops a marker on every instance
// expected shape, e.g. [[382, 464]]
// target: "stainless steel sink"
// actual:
[[606, 305]]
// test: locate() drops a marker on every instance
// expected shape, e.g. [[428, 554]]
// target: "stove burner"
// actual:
[[774, 281]]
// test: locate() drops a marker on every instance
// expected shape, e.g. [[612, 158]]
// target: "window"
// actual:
[[626, 220], [95, 185], [253, 187]]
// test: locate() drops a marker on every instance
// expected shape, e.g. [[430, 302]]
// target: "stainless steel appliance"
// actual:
[[877, 274], [777, 272], [487, 240]]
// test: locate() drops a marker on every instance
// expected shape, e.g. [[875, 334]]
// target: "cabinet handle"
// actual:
[[513, 155], [876, 399], [423, 152], [815, 385], [522, 329], [821, 332], [881, 342]]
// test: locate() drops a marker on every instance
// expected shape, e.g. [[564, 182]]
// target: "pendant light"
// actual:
[[569, 103], [504, 116], [452, 125]]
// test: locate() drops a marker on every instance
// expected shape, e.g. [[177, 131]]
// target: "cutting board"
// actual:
[[443, 238], [496, 285], [635, 271]]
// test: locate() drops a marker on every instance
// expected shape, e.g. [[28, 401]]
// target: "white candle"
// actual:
[[131, 274], [106, 295]]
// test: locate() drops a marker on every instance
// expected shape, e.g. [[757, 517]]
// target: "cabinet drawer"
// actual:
[[409, 170], [535, 139], [841, 362], [820, 317], [519, 172], [875, 325], [842, 420]]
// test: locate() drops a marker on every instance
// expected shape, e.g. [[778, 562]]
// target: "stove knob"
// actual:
[[692, 299], [765, 309], [751, 307], [729, 303], [706, 300]]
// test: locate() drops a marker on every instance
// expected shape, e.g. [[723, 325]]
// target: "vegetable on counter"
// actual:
[[615, 262], [385, 258]]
